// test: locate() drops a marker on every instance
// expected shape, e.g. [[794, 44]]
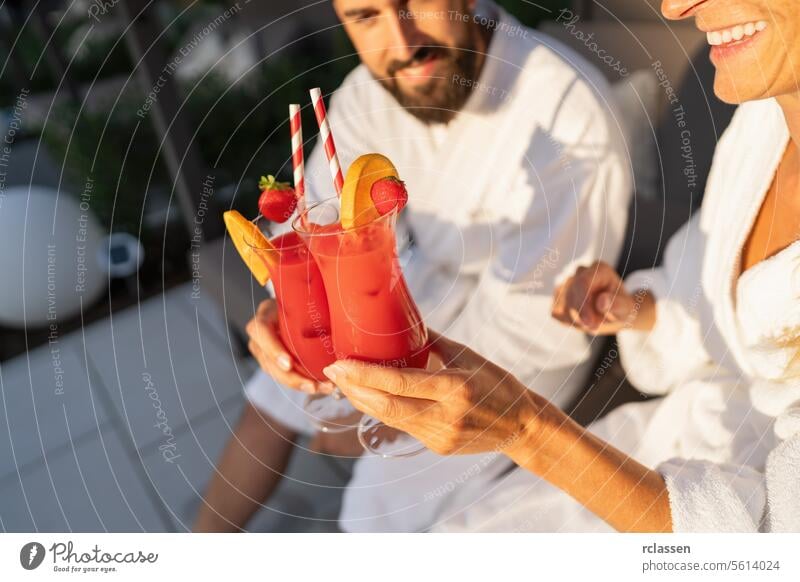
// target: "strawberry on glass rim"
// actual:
[[277, 201], [387, 194]]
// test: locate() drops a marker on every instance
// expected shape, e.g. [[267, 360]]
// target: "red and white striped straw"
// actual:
[[296, 128], [327, 139]]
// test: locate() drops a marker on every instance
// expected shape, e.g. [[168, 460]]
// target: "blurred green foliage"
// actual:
[[241, 128], [532, 13], [241, 132]]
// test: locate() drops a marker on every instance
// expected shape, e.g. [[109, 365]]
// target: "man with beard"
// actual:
[[516, 173]]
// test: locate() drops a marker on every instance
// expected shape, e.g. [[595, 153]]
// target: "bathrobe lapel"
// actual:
[[483, 153], [734, 194]]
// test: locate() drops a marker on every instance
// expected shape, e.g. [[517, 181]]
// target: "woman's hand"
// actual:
[[470, 406], [595, 301], [473, 406], [273, 357]]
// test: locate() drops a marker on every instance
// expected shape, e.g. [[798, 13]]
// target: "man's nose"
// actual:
[[678, 9], [402, 36]]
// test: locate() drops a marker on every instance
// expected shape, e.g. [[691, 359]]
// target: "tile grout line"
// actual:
[[29, 467]]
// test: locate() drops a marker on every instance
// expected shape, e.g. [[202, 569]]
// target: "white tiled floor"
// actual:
[[41, 393], [162, 352], [91, 487], [88, 459]]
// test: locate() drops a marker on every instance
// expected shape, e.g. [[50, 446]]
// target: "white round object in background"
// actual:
[[48, 245]]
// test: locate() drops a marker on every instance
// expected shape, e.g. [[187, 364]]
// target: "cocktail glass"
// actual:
[[373, 317], [304, 322]]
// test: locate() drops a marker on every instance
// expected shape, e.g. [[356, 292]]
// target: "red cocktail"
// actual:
[[303, 316], [373, 316]]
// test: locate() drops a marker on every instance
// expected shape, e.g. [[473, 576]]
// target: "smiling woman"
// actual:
[[753, 43], [713, 330]]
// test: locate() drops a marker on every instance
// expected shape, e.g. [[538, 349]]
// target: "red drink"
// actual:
[[303, 315], [373, 317]]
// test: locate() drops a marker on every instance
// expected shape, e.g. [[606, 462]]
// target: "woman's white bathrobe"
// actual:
[[726, 435]]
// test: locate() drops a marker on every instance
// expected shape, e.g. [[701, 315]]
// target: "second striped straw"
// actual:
[[327, 139], [296, 129]]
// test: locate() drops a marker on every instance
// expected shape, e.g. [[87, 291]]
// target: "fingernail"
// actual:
[[335, 371], [307, 387], [284, 362]]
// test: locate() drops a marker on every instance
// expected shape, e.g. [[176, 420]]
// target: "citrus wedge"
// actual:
[[254, 248], [358, 208]]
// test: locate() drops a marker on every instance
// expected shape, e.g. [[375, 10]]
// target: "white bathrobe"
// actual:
[[530, 179], [726, 435]]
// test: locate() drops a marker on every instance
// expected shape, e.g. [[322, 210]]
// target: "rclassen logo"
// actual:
[[31, 555]]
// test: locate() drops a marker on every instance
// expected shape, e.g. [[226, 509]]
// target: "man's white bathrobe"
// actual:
[[726, 435], [530, 179]]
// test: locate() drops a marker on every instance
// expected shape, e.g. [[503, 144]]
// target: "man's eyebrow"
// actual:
[[359, 12]]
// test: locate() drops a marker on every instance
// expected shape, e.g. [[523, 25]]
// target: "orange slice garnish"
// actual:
[[357, 207], [254, 248]]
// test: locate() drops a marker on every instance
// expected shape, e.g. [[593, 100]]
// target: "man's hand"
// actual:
[[595, 301], [273, 357]]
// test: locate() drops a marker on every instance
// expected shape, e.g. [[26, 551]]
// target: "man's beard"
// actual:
[[439, 100]]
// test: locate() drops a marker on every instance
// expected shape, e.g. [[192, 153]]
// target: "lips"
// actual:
[[736, 33], [729, 42], [422, 67]]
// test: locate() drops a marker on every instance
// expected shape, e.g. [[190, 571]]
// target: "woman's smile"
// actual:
[[731, 41]]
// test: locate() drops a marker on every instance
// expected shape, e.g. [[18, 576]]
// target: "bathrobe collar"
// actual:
[[736, 190]]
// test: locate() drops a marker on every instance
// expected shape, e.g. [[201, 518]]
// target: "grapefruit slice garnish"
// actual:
[[254, 248], [357, 206]]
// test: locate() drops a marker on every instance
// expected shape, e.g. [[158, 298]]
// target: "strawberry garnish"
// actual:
[[277, 201], [387, 194]]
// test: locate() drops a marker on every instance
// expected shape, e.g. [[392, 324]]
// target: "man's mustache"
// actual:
[[420, 55]]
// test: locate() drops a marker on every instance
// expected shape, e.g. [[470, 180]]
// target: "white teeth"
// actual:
[[735, 33]]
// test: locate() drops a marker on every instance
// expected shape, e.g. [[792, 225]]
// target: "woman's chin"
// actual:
[[736, 92]]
